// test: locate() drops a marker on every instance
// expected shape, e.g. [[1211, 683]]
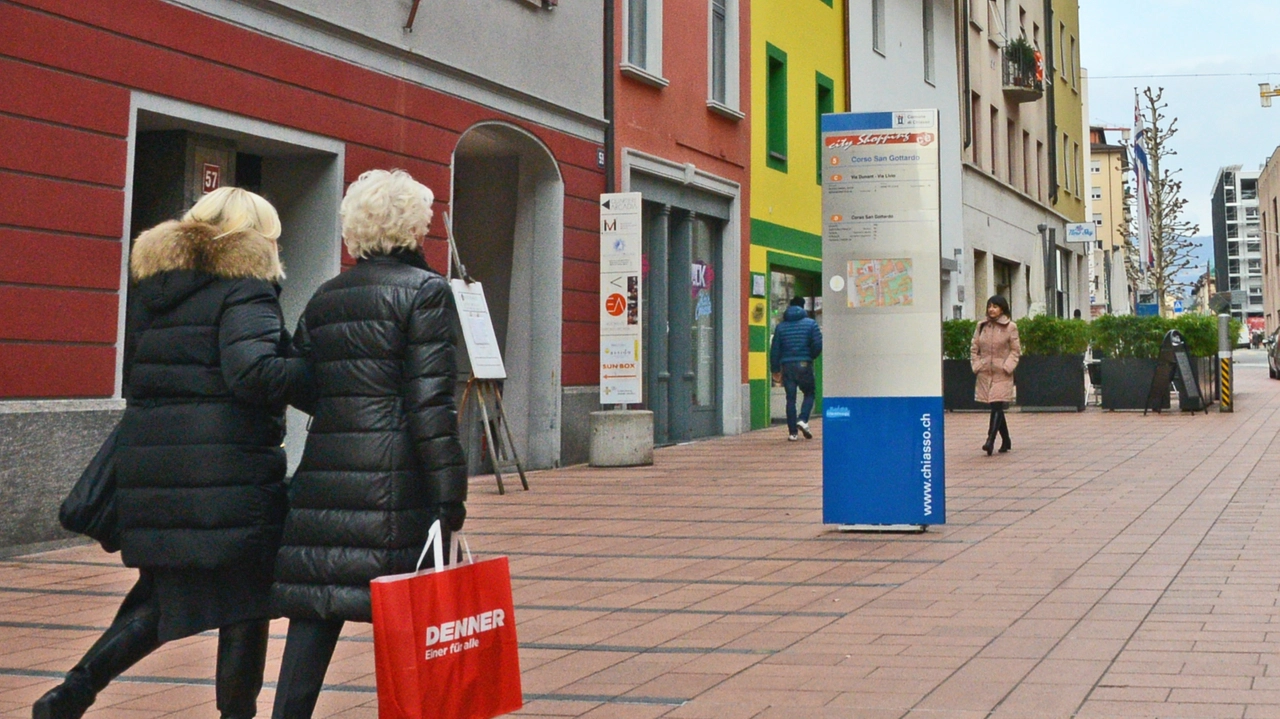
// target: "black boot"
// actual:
[[993, 425], [242, 655], [1006, 444], [129, 638]]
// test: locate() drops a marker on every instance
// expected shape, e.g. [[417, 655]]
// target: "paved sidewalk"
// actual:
[[1112, 565]]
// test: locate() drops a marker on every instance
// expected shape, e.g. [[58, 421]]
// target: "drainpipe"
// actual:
[[848, 60], [1052, 82], [609, 181], [966, 102]]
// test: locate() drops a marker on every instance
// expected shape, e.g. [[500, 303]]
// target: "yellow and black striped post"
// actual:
[[1225, 344], [1224, 390]]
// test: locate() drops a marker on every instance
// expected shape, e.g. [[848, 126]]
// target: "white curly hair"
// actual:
[[384, 211]]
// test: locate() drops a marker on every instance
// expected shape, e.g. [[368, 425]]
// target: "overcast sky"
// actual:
[[1221, 120]]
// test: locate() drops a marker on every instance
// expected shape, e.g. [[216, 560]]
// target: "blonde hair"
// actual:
[[384, 211], [233, 210]]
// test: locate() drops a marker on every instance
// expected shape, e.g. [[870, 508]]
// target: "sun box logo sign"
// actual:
[[881, 248]]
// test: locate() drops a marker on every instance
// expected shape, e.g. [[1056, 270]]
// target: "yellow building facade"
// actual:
[[1068, 111], [797, 73]]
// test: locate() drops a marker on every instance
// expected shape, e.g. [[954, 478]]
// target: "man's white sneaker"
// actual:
[[793, 438], [804, 429]]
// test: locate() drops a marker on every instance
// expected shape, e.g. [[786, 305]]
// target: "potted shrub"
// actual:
[[957, 376], [1050, 376], [1128, 346]]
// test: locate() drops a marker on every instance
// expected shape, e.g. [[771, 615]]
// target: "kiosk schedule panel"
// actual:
[[882, 319]]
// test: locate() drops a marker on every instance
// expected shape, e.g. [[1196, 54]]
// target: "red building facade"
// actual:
[[682, 139], [86, 87]]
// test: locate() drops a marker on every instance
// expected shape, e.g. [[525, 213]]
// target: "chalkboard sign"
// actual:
[[1174, 365]]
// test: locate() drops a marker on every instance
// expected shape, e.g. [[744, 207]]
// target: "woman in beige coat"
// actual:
[[994, 354]]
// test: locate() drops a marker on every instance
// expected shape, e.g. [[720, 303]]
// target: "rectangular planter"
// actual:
[[958, 385], [1051, 383], [1126, 382]]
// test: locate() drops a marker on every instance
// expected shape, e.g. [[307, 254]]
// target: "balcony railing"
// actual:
[[1023, 81]]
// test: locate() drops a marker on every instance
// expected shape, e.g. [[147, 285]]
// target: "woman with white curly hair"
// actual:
[[382, 460]]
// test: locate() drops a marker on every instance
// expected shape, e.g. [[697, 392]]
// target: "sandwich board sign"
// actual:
[[883, 461]]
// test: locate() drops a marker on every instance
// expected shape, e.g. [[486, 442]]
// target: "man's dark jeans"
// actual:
[[798, 375]]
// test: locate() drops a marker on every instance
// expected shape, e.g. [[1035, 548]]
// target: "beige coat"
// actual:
[[994, 355]]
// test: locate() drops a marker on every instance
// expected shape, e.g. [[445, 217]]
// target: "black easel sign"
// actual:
[[1174, 365]]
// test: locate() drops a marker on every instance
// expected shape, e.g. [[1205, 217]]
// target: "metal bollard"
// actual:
[[1225, 402]]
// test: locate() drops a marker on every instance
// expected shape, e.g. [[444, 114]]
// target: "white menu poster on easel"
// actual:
[[477, 330]]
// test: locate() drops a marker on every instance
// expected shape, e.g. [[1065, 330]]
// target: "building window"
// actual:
[[995, 138], [1253, 246], [722, 59], [877, 26], [1251, 213], [1233, 230], [929, 49], [1097, 219], [1095, 193], [776, 108], [826, 102], [1231, 214], [1011, 139], [1095, 167], [718, 50], [975, 134], [1028, 172], [1233, 267], [643, 36], [1255, 266], [1040, 162]]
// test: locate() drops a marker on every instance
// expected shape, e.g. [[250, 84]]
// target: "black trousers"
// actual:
[[997, 424], [307, 653]]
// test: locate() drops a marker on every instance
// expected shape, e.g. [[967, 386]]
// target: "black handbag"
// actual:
[[90, 507]]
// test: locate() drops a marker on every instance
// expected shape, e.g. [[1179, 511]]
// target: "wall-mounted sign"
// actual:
[[881, 253], [477, 330], [210, 177], [621, 268], [1081, 232]]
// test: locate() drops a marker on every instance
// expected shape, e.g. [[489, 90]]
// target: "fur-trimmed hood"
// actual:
[[196, 247]]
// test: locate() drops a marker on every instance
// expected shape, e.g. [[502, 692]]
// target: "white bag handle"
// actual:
[[436, 544]]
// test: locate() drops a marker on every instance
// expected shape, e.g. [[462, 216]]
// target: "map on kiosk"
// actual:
[[880, 283]]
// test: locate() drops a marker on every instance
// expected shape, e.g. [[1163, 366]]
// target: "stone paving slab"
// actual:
[[1112, 565]]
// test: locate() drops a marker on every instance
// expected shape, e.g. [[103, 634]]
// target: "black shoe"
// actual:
[[988, 447], [69, 700], [1005, 447]]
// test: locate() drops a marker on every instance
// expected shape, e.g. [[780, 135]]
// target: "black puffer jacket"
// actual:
[[199, 467], [383, 452]]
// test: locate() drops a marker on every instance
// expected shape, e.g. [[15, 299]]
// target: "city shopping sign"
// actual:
[[882, 372], [621, 262]]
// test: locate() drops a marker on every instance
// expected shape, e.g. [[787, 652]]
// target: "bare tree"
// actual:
[[1171, 234]]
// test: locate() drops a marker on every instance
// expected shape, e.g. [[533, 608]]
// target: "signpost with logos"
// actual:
[[621, 262], [883, 466]]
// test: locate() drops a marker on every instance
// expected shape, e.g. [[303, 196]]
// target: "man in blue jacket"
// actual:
[[797, 342]]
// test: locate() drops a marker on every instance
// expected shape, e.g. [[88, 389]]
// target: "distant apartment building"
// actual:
[[1108, 185], [1269, 229], [1014, 236], [1237, 243]]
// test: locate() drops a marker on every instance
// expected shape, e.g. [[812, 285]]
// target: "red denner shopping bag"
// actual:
[[444, 641]]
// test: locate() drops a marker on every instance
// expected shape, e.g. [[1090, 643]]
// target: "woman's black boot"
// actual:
[[242, 655], [1006, 444], [992, 426], [127, 640]]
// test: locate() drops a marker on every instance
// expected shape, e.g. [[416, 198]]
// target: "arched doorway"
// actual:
[[508, 219]]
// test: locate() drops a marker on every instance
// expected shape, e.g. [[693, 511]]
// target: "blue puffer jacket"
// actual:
[[796, 339]]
